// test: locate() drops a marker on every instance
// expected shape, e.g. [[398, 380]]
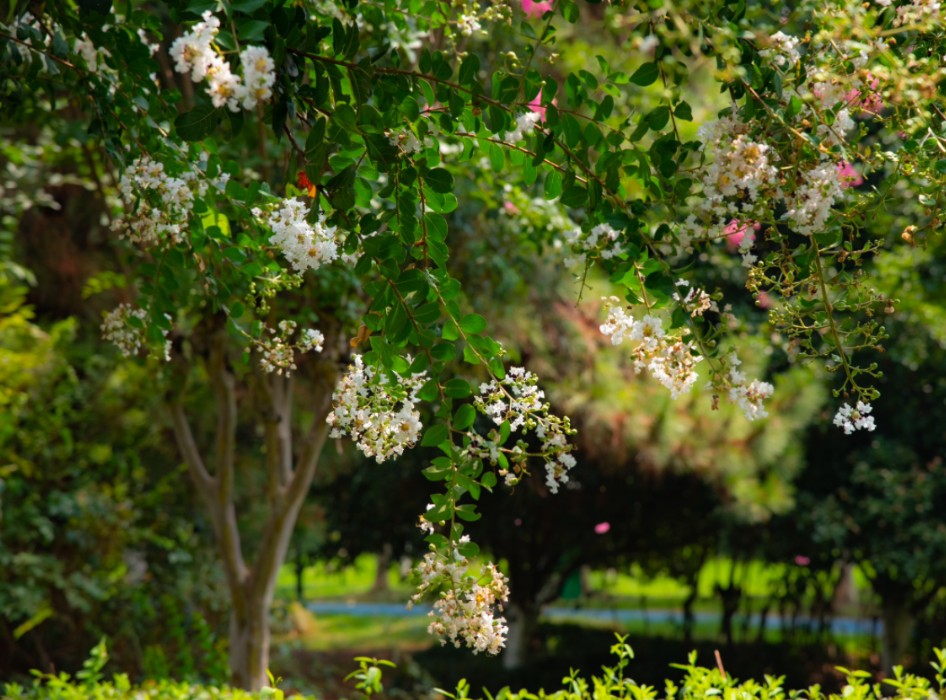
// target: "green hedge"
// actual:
[[698, 683]]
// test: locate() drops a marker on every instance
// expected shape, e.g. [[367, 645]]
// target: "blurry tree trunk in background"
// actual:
[[252, 585], [845, 595], [380, 584], [729, 596], [898, 628], [299, 565], [523, 622]]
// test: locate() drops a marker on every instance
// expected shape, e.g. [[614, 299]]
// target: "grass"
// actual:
[[328, 581], [608, 588]]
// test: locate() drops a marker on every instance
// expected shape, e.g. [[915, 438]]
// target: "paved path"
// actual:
[[840, 625]]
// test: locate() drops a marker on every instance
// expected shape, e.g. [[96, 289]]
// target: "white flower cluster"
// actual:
[[27, 21], [129, 336], [468, 25], [278, 351], [601, 241], [93, 56], [669, 359], [857, 418], [465, 611], [408, 142], [749, 397], [165, 203], [518, 399], [305, 245], [525, 124], [741, 181], [918, 12], [785, 49], [378, 414], [810, 204], [116, 328], [696, 301], [194, 53]]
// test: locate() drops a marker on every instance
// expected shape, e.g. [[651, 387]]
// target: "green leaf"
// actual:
[[684, 111], [247, 6], [497, 158], [457, 388], [464, 417], [473, 324], [469, 69], [553, 184], [439, 180], [435, 435], [197, 124], [646, 75]]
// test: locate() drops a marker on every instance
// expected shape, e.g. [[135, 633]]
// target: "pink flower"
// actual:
[[737, 230], [602, 528], [802, 560], [848, 176], [535, 9], [763, 300], [510, 208], [870, 102], [536, 106]]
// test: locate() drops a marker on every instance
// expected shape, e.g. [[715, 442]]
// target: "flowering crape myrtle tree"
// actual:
[[283, 173]]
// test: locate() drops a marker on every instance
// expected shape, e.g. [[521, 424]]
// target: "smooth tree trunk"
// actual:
[[249, 644], [252, 583], [523, 621]]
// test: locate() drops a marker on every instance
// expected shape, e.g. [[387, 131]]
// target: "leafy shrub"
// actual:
[[700, 682], [90, 683]]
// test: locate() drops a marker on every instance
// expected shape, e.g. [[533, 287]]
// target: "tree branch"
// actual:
[[285, 511], [222, 507], [184, 437]]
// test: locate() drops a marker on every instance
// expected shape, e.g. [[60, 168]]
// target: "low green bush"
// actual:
[[698, 683], [90, 684]]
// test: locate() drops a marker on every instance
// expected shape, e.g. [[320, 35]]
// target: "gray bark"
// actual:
[[253, 585]]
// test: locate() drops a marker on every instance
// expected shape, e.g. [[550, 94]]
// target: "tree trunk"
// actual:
[[380, 584], [523, 622], [300, 574], [249, 643], [898, 628], [252, 583], [689, 618]]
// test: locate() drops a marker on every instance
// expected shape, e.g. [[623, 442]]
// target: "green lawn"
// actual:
[[624, 590]]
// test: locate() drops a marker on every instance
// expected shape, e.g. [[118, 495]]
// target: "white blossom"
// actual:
[[465, 610], [306, 246], [518, 400], [857, 418], [525, 123], [379, 414]]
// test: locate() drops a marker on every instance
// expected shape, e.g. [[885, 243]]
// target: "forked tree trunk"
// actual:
[[252, 585]]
